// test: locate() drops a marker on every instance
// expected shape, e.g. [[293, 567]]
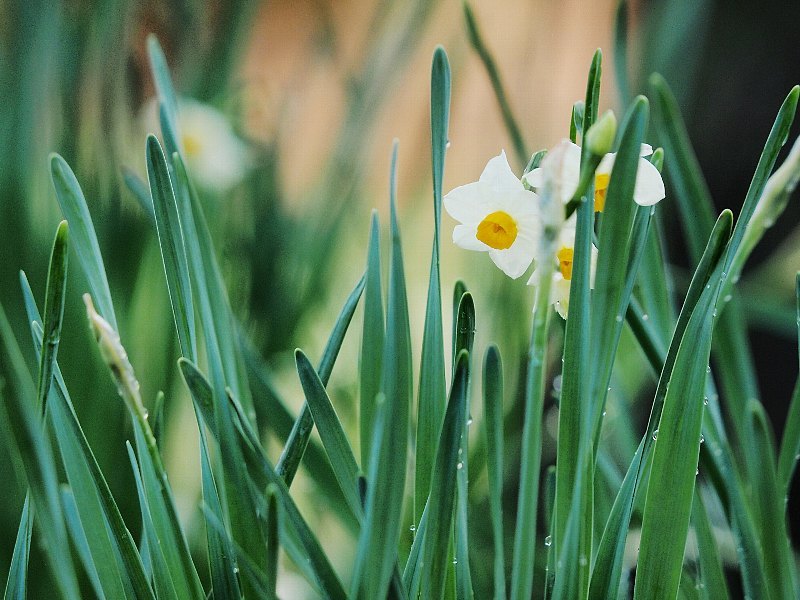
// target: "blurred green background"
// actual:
[[316, 90]]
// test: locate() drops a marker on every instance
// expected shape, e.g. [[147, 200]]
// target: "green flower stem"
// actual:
[[525, 539]]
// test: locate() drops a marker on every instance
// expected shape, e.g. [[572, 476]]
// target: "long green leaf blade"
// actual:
[[493, 411], [220, 553], [377, 546], [432, 385], [298, 439], [34, 449], [711, 575], [334, 439], [17, 582], [769, 503], [76, 212], [611, 295], [577, 346], [53, 312], [790, 443], [372, 340], [298, 539], [675, 457], [435, 552], [173, 251], [88, 483]]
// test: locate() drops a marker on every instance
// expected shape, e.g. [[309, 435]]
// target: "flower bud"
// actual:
[[600, 137]]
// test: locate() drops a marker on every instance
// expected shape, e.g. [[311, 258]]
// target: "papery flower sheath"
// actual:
[[496, 214]]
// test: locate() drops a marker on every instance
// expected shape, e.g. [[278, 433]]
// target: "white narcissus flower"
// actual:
[[562, 276], [648, 190], [497, 215], [217, 159]]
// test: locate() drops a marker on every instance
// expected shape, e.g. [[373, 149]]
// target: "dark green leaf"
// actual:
[[173, 251], [493, 412], [17, 582], [53, 312], [377, 547], [75, 211], [372, 338], [34, 449], [330, 430], [297, 442], [435, 552]]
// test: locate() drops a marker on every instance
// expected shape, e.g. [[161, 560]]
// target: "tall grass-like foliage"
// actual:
[[572, 521]]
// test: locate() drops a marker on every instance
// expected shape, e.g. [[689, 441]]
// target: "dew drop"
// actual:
[[619, 318], [604, 413], [645, 317], [455, 561], [708, 369], [548, 541], [705, 400], [447, 145], [727, 298], [583, 561], [469, 421], [697, 472], [412, 528], [460, 465], [714, 313], [655, 434], [702, 438]]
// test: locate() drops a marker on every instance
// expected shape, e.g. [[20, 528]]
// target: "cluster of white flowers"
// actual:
[[500, 215]]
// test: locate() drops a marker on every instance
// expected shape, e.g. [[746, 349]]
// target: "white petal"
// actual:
[[499, 176], [521, 205], [514, 261], [567, 169], [646, 150], [606, 164], [464, 236], [559, 294], [649, 187], [464, 203], [534, 178]]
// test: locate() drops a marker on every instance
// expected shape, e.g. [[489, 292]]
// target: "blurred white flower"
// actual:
[[562, 276], [648, 190], [217, 159], [497, 215]]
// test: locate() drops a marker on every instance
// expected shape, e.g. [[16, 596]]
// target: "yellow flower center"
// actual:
[[191, 144], [600, 188], [564, 257], [498, 230]]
